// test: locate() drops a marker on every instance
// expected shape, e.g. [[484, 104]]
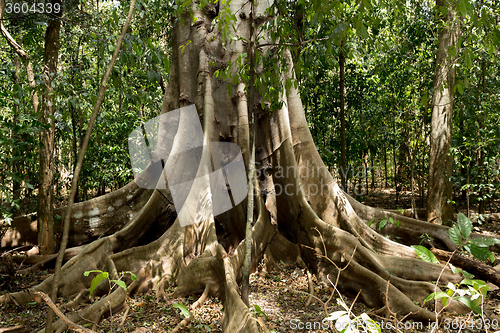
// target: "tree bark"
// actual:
[[46, 241], [481, 93], [343, 158], [245, 283], [439, 197]]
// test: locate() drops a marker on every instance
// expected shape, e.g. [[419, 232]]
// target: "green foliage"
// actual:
[[382, 223], [472, 297], [184, 311], [478, 247], [105, 276], [475, 293], [425, 254], [257, 311], [133, 95]]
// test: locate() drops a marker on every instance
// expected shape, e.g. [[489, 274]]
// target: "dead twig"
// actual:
[[71, 325]]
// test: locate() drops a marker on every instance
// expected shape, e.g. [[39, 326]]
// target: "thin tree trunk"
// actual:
[[394, 157], [45, 191], [385, 165], [16, 184], [245, 283], [424, 145], [372, 157], [343, 170], [412, 181], [439, 206], [480, 152]]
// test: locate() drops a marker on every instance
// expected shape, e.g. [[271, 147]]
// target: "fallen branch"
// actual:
[[71, 325], [472, 266]]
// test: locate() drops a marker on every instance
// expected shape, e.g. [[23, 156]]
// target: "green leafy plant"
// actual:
[[474, 292], [382, 223], [105, 275], [425, 237], [346, 322], [257, 311]]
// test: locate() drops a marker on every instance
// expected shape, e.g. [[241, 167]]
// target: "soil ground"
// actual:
[[279, 297]]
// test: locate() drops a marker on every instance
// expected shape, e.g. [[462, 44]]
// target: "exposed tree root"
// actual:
[[68, 254], [195, 305]]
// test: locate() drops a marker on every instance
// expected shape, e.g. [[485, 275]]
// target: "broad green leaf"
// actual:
[[120, 283], [467, 274], [455, 236], [453, 51], [424, 100], [497, 34], [184, 310], [95, 282], [92, 271], [470, 303], [485, 242], [364, 31], [468, 63], [477, 284], [382, 224], [462, 7], [425, 254], [496, 40], [465, 225], [481, 253], [437, 295], [454, 269]]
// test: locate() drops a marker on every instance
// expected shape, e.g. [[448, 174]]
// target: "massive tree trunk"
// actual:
[[304, 211], [439, 206]]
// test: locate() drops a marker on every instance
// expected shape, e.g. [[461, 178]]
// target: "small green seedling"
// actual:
[[382, 223], [105, 275], [258, 311]]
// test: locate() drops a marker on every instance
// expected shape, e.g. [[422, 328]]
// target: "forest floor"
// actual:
[[278, 297]]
